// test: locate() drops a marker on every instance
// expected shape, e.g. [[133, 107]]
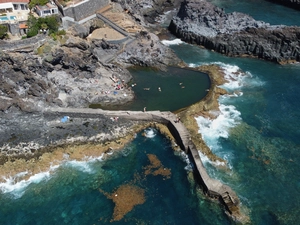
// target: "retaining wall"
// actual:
[[82, 9], [28, 43]]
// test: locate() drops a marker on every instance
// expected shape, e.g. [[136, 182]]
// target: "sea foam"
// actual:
[[212, 130], [150, 133], [172, 42], [16, 186]]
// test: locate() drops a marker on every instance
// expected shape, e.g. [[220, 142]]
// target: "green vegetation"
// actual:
[[3, 31], [33, 3], [50, 23]]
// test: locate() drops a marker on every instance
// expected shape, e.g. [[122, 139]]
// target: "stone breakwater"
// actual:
[[235, 34], [213, 188]]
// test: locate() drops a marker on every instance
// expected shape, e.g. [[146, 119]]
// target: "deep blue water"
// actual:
[[257, 132]]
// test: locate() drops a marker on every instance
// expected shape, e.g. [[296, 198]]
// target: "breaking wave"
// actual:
[[150, 133], [172, 42], [16, 185]]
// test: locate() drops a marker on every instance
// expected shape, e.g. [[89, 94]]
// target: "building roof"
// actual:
[[46, 7], [23, 26], [6, 5], [14, 1]]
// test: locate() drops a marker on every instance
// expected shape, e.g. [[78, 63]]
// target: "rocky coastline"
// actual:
[[235, 34], [74, 71]]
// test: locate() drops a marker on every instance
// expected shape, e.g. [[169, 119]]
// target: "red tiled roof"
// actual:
[[23, 26], [14, 1]]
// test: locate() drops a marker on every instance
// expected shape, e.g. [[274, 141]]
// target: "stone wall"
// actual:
[[24, 44], [13, 28], [83, 9]]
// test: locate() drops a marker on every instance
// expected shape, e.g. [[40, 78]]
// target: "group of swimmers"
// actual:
[[159, 88]]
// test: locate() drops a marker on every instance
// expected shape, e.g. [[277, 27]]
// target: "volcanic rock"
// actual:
[[235, 34]]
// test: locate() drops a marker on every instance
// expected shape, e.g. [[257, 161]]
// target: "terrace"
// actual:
[[13, 11]]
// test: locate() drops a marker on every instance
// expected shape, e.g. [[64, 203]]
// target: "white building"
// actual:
[[10, 6], [46, 10]]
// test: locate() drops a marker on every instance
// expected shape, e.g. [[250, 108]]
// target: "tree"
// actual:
[[3, 31], [35, 24]]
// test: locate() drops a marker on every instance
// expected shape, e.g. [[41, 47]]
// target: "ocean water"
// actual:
[[257, 129], [257, 132], [74, 193]]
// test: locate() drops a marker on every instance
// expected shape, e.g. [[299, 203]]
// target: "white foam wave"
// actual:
[[80, 165], [193, 65], [150, 133], [212, 130], [172, 42], [235, 77], [205, 160], [85, 165], [16, 186], [185, 158]]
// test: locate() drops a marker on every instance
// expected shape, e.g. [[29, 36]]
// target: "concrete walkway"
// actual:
[[213, 188]]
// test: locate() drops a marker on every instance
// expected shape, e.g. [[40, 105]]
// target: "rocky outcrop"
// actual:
[[145, 11], [235, 34], [67, 74], [74, 72], [295, 4], [147, 50]]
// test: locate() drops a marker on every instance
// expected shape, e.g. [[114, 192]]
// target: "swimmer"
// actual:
[[159, 89]]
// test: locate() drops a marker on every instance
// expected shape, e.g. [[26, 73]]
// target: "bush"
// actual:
[[35, 24], [3, 31]]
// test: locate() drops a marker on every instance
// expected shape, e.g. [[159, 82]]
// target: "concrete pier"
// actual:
[[211, 187]]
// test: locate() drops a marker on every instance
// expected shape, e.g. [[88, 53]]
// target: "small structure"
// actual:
[[9, 6], [13, 13], [46, 10], [77, 10]]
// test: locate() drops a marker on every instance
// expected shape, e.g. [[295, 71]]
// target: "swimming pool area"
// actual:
[[5, 18]]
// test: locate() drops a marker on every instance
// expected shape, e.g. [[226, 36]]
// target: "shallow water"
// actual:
[[166, 90], [70, 195]]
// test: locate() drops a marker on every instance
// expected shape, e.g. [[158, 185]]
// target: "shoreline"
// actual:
[[73, 151], [81, 149]]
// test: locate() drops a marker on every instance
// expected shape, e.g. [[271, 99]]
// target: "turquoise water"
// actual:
[[5, 18], [257, 132], [71, 195], [261, 10]]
